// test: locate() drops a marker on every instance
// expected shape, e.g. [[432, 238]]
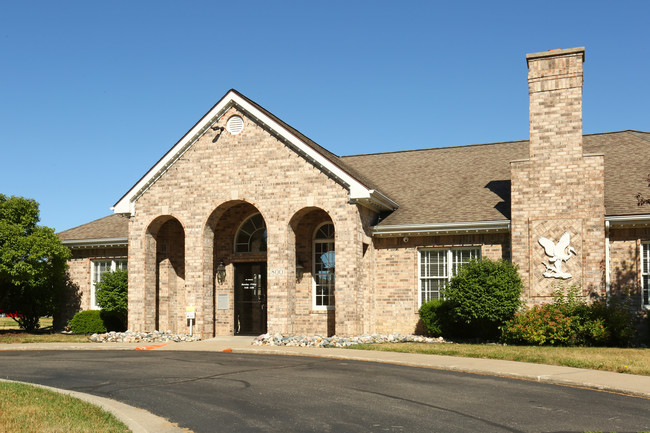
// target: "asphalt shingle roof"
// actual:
[[109, 227], [472, 183], [458, 184]]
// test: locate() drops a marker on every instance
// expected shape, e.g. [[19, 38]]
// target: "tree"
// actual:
[[112, 294], [32, 263]]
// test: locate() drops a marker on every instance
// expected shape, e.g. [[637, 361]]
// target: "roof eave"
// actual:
[[501, 226], [628, 220], [96, 243]]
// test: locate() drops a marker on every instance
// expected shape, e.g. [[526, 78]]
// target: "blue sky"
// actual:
[[94, 93]]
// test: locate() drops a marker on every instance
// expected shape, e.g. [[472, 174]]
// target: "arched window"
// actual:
[[323, 267], [251, 236]]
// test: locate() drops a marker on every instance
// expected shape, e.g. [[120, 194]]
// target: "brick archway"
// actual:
[[219, 235], [308, 316], [165, 274]]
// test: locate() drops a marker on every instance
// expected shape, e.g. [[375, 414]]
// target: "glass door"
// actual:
[[250, 298]]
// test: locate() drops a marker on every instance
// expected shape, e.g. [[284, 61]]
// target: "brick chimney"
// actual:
[[555, 89], [558, 189]]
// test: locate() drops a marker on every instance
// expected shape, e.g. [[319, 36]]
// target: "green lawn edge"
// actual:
[[618, 360], [29, 408]]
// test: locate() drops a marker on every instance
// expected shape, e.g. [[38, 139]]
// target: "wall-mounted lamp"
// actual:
[[221, 273], [300, 271]]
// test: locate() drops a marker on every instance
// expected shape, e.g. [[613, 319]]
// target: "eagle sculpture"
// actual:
[[558, 253]]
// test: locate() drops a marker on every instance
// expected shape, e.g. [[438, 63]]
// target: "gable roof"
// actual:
[[446, 186], [360, 188], [463, 188], [111, 230]]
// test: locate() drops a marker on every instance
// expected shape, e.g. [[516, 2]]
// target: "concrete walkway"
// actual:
[[141, 421]]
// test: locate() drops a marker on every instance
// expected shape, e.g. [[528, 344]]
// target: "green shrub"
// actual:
[[435, 316], [541, 325], [87, 322], [96, 322], [112, 321], [571, 321], [112, 295], [482, 297], [622, 318]]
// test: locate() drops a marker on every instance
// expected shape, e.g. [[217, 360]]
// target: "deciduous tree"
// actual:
[[32, 262]]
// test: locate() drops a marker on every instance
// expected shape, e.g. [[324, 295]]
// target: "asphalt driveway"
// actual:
[[231, 392]]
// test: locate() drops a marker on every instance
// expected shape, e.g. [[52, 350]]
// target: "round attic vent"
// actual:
[[235, 125]]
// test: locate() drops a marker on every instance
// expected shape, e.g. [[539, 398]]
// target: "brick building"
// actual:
[[256, 227]]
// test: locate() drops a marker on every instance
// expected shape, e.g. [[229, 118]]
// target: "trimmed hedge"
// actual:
[[96, 322], [87, 322]]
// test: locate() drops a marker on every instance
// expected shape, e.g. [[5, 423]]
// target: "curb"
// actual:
[[548, 374], [136, 419]]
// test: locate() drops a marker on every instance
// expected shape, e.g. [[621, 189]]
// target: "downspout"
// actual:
[[608, 282]]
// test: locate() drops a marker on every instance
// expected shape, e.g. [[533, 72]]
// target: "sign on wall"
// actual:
[[222, 301]]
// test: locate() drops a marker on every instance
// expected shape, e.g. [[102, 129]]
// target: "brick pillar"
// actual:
[[558, 189], [277, 287]]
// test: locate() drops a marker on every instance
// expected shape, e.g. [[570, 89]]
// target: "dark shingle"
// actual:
[[472, 183], [458, 184], [110, 227]]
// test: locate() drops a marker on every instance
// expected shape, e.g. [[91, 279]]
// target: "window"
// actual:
[[99, 267], [323, 267], [437, 266], [645, 275], [251, 236]]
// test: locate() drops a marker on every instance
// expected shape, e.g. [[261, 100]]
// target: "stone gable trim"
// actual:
[[358, 192], [442, 228]]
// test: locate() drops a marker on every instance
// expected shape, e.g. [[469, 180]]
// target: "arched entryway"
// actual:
[[235, 244], [165, 274], [313, 249]]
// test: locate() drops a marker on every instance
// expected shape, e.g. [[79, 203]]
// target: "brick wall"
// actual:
[[395, 293], [79, 269], [213, 176], [625, 259], [558, 189]]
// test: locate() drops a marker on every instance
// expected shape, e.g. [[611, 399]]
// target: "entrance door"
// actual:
[[250, 298]]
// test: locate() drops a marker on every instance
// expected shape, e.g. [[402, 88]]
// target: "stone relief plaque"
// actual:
[[557, 254]]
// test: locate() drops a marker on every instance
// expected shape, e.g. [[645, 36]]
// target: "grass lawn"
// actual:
[[632, 361], [10, 333], [14, 337], [9, 323], [27, 408]]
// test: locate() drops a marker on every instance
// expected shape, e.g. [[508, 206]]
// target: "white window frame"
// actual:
[[114, 264], [246, 247], [332, 286], [645, 275], [451, 266]]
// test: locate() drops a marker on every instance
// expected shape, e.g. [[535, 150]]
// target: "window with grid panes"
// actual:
[[99, 267], [323, 267], [645, 274], [437, 266]]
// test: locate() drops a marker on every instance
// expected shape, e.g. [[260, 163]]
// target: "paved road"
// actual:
[[224, 392]]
